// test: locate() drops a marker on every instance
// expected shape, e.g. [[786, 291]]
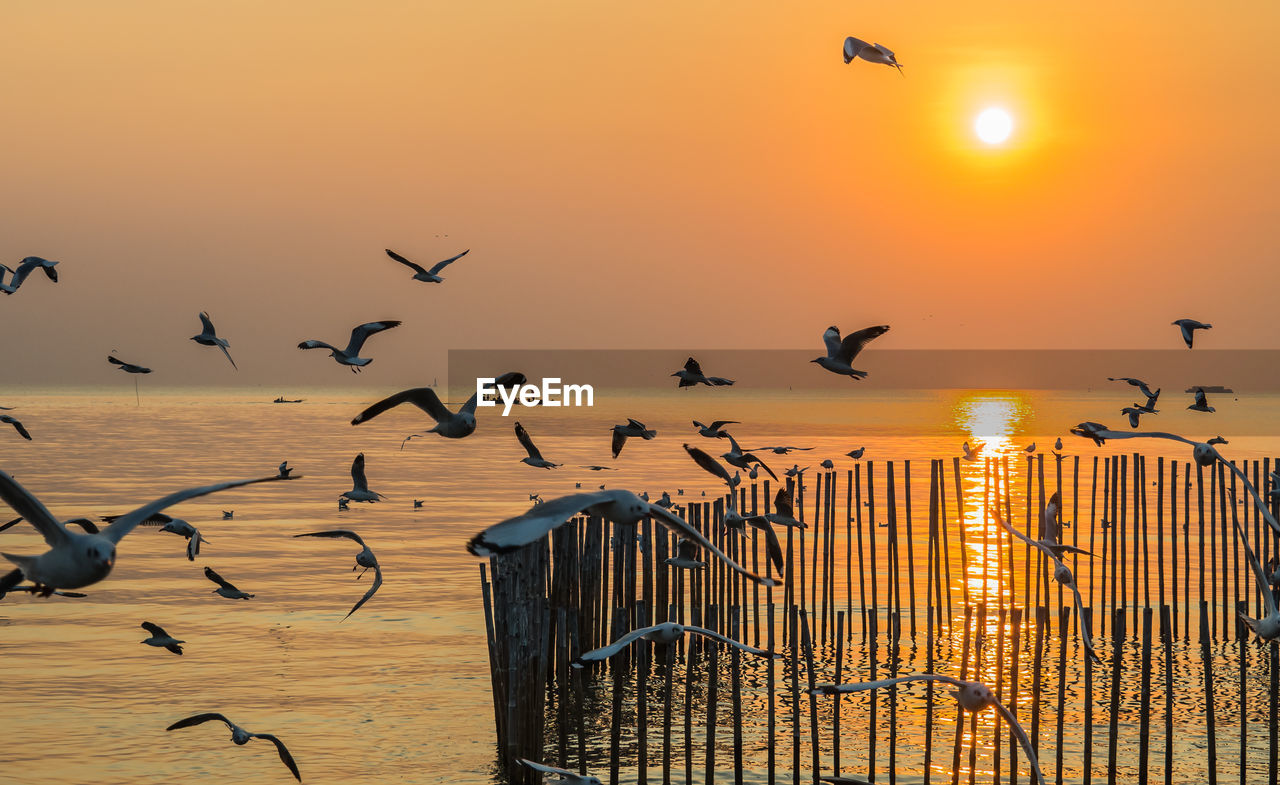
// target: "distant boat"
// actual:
[[1210, 388], [282, 399]]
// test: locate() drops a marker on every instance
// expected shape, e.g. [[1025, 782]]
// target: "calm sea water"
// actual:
[[400, 691]]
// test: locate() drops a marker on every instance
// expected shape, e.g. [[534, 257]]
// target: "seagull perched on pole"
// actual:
[[360, 484], [364, 558], [621, 507], [534, 458], [971, 695], [692, 375], [350, 356], [240, 737], [872, 53], [665, 633], [1189, 327], [448, 424], [840, 354], [77, 560], [420, 273], [633, 428], [715, 430], [25, 268], [209, 337]]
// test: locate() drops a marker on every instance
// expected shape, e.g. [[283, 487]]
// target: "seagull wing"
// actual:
[[284, 752], [863, 686], [605, 652], [1264, 585], [569, 776], [851, 48], [155, 629], [17, 426], [470, 406], [197, 719], [317, 345], [193, 545], [772, 546], [12, 523], [115, 360], [527, 443], [377, 583], [750, 457], [717, 636], [619, 441], [223, 346], [1009, 528], [832, 336], [1016, 728], [782, 503], [854, 342], [534, 523], [207, 325], [334, 533], [218, 579], [884, 49], [435, 270], [691, 365], [707, 462], [1084, 629], [718, 424], [404, 261], [424, 398], [357, 473], [125, 523], [361, 334], [30, 508], [678, 525], [1201, 400], [1187, 334]]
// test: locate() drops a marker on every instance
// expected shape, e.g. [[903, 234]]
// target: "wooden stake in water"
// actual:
[[1144, 719], [1206, 658]]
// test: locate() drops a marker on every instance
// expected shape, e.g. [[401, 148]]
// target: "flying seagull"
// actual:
[[1141, 385], [209, 337], [364, 558], [9, 419], [840, 354], [127, 367], [619, 506], [782, 450], [665, 633], [686, 557], [350, 356], [25, 268], [448, 424], [177, 526], [715, 430], [972, 453], [1133, 413], [285, 469], [1202, 403], [566, 777], [534, 458], [161, 639], [225, 587], [1189, 327], [77, 560], [240, 737], [692, 375], [633, 428], [710, 464], [595, 468], [743, 460], [360, 484], [420, 273], [783, 512], [1268, 627], [971, 695]]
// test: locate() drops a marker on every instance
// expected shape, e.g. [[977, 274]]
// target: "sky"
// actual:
[[656, 175]]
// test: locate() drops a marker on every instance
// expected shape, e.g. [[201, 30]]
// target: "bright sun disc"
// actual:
[[993, 125]]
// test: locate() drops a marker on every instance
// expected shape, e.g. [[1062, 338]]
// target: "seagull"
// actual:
[[1273, 573], [240, 737], [360, 484], [595, 468], [712, 466], [686, 557], [534, 458], [1141, 385], [783, 513], [783, 450], [619, 506], [364, 558], [209, 337], [177, 526], [229, 514], [77, 560], [448, 424], [664, 502], [225, 588], [1202, 403], [840, 354], [856, 454], [1133, 413], [665, 633], [735, 522], [736, 457], [1217, 440], [972, 696], [692, 375], [796, 471], [632, 428], [285, 470], [17, 426], [422, 274], [25, 267], [161, 639], [127, 367], [972, 453], [417, 504], [1150, 406], [1268, 627], [566, 777], [1057, 445], [343, 504], [872, 53], [827, 464], [350, 356], [1189, 327], [716, 429], [1030, 448]]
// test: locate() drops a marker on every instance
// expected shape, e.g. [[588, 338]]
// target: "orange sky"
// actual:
[[649, 175]]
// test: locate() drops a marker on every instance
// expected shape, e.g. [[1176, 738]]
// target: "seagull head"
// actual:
[[974, 696], [100, 554], [1204, 454]]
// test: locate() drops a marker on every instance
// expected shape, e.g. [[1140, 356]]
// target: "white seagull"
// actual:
[[692, 375], [209, 337], [972, 696], [76, 560], [534, 458], [619, 506], [872, 53], [840, 354], [240, 737], [1268, 627], [686, 557], [364, 558], [25, 268], [360, 484], [226, 588], [448, 424], [633, 428], [1189, 327], [420, 273], [566, 777], [168, 523], [161, 639], [665, 633], [350, 356]]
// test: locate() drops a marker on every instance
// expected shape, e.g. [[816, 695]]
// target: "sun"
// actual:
[[993, 125]]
